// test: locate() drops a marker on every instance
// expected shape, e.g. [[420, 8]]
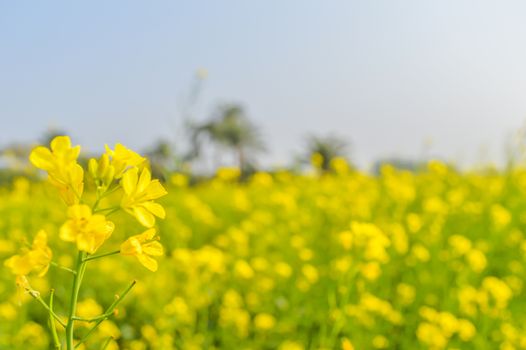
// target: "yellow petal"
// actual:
[[72, 154], [155, 208], [42, 158], [110, 226], [129, 181], [60, 144], [43, 271], [155, 190], [108, 150], [120, 149], [79, 211], [153, 248], [131, 246], [75, 175], [146, 235], [144, 216], [144, 180], [68, 232], [86, 243], [147, 262], [19, 265], [40, 240]]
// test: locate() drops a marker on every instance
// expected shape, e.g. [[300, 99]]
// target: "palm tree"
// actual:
[[229, 128], [329, 147]]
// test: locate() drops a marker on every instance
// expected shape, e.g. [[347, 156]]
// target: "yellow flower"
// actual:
[[139, 193], [37, 259], [123, 158], [346, 344], [143, 246], [60, 162], [264, 321], [22, 286], [87, 230], [101, 171], [291, 345]]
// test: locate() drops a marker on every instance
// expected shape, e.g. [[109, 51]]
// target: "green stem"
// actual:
[[89, 320], [114, 210], [108, 191], [93, 257], [107, 313], [77, 280], [62, 267], [96, 204], [109, 210], [36, 295], [52, 326], [108, 341]]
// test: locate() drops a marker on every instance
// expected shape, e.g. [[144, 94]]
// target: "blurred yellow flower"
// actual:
[[264, 321], [466, 330], [431, 335], [228, 173], [88, 230], [143, 246], [346, 344], [60, 162], [291, 345], [139, 193], [37, 259]]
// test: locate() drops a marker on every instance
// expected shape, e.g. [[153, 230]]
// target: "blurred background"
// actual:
[[211, 83], [272, 124]]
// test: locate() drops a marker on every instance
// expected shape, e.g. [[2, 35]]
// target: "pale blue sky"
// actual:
[[385, 74]]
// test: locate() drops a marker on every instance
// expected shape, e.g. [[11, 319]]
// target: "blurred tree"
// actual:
[[229, 128], [50, 134], [161, 158], [328, 147]]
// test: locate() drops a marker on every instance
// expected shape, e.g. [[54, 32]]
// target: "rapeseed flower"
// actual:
[[89, 231], [143, 246], [101, 171], [139, 195], [123, 159], [36, 259], [60, 162], [264, 321]]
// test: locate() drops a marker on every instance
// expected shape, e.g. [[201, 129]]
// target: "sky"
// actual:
[[410, 79]]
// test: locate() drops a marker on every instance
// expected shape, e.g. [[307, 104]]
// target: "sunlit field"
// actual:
[[340, 259]]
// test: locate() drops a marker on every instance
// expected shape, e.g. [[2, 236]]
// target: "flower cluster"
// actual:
[[88, 227], [342, 259]]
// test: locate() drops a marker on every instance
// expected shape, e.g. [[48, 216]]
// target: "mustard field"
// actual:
[[434, 259]]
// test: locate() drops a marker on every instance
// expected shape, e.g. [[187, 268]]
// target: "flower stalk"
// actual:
[[109, 311], [56, 341], [77, 280], [87, 227]]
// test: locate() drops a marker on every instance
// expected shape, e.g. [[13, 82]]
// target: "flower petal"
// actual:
[[60, 144], [42, 158], [144, 180], [153, 248], [19, 265], [144, 216], [155, 190], [67, 232], [40, 240], [129, 181], [147, 262], [146, 235], [155, 208]]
